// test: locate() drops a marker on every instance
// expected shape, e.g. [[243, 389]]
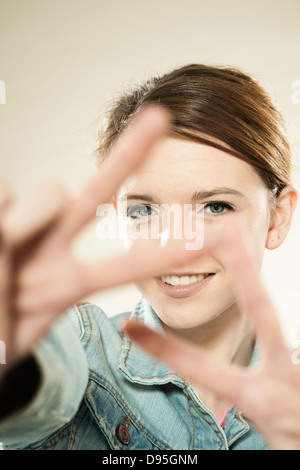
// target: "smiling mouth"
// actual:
[[184, 280]]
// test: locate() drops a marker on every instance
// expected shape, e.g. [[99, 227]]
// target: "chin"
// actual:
[[190, 312], [186, 318]]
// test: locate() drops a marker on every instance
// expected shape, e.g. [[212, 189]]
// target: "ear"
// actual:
[[282, 217]]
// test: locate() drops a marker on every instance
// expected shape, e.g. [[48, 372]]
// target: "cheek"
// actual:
[[254, 223], [146, 287], [256, 232]]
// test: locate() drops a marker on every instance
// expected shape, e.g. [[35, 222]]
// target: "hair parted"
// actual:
[[216, 105]]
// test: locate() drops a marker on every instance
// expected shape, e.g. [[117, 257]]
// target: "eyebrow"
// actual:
[[198, 195], [214, 192]]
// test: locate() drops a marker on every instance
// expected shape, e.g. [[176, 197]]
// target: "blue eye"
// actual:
[[217, 207], [138, 211]]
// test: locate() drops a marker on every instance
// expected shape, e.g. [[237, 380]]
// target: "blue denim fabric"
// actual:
[[91, 386]]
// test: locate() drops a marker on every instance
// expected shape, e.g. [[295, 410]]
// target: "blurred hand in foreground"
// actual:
[[39, 276]]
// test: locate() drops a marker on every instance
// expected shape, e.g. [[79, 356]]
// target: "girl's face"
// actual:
[[211, 183]]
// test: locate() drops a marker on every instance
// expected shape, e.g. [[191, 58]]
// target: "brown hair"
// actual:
[[215, 106]]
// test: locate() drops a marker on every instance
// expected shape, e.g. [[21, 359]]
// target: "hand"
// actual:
[[268, 394], [39, 276]]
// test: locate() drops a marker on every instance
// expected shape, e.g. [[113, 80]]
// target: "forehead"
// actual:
[[183, 165]]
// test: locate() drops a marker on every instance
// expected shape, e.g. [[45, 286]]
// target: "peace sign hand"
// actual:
[[39, 276], [268, 394]]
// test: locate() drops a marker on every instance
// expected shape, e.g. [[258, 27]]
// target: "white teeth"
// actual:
[[174, 280], [183, 280]]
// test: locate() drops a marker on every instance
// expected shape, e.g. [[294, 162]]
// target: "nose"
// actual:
[[182, 221]]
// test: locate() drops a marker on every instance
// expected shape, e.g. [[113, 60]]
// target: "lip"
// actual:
[[183, 291]]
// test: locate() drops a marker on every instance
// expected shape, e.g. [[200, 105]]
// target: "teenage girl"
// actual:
[[79, 382]]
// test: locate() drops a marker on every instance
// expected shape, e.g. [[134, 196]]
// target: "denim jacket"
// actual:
[[100, 391]]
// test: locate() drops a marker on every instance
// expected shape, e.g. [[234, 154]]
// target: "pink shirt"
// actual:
[[222, 420]]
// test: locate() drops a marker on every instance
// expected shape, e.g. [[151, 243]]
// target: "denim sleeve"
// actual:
[[64, 377]]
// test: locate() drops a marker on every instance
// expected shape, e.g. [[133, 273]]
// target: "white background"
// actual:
[[63, 60]]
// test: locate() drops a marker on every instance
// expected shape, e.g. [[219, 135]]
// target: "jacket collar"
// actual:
[[137, 365]]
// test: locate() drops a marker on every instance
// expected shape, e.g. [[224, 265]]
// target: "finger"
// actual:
[[129, 150], [190, 362], [30, 215], [253, 297], [39, 291], [144, 260], [39, 305]]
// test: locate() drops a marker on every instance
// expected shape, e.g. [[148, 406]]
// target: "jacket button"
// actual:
[[123, 434]]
